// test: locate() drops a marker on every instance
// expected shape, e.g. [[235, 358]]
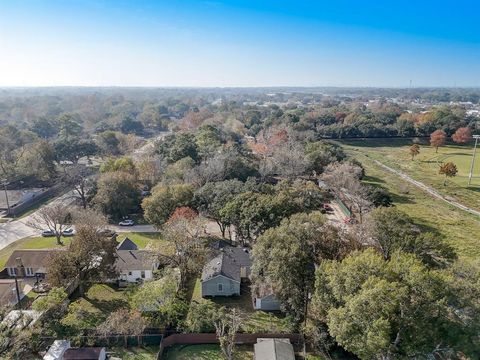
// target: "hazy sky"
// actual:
[[239, 43]]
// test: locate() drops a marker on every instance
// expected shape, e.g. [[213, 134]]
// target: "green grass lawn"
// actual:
[[31, 243], [425, 167], [148, 241], [257, 321], [459, 228], [204, 352], [135, 353], [91, 309]]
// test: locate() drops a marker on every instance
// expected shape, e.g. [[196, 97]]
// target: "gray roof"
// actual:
[[135, 260], [227, 262], [274, 349], [85, 353], [127, 244]]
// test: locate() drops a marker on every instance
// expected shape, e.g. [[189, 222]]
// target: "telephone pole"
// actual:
[[476, 137]]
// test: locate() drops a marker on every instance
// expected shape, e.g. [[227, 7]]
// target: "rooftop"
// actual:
[[227, 262]]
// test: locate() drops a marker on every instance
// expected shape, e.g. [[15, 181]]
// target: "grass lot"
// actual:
[[148, 241], [460, 229], [136, 353], [31, 243], [425, 167], [88, 311], [204, 352], [258, 321]]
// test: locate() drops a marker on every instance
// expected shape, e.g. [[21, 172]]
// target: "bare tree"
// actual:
[[227, 322], [344, 179], [56, 218], [123, 322], [210, 170], [189, 251], [79, 177]]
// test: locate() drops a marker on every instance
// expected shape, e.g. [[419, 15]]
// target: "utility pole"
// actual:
[[18, 293], [476, 137], [5, 183]]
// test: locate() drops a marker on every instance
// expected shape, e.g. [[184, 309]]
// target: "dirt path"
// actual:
[[428, 189]]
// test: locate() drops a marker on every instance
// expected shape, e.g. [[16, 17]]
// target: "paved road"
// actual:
[[428, 189], [18, 229], [134, 228]]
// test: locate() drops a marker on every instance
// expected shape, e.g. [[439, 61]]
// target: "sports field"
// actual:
[[425, 166]]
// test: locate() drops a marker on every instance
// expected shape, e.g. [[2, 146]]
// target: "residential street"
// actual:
[[18, 229]]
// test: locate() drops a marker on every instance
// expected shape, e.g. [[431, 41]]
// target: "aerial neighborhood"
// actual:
[[176, 231]]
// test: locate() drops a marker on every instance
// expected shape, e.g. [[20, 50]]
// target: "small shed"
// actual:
[[85, 353], [266, 303], [56, 351], [273, 349]]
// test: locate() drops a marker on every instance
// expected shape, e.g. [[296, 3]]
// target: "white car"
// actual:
[[127, 222], [68, 232]]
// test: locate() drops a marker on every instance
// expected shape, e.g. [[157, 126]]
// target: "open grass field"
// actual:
[[425, 166], [257, 321], [460, 229], [204, 352]]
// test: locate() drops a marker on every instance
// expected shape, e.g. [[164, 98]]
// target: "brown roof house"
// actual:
[[222, 275], [29, 263]]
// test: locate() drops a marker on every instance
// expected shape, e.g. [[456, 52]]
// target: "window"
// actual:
[[29, 271], [12, 271], [129, 273], [220, 287], [143, 274]]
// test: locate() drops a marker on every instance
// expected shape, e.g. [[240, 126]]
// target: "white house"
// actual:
[[134, 265]]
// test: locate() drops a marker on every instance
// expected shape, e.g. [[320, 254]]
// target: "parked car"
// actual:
[[48, 233], [146, 193], [350, 220], [68, 232], [127, 222]]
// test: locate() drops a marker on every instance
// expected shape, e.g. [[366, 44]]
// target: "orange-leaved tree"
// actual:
[[448, 169], [438, 138]]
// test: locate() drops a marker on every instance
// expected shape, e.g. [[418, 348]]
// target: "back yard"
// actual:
[[257, 321], [204, 352]]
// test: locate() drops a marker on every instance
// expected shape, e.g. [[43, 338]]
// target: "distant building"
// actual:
[[273, 349], [222, 275]]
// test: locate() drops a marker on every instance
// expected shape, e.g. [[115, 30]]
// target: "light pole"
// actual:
[[5, 183], [476, 137]]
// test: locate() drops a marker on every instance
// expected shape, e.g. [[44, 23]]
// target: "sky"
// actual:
[[239, 43]]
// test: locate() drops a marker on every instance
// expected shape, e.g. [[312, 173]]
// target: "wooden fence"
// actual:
[[207, 338]]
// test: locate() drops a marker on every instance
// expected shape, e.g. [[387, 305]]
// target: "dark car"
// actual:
[[48, 233]]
